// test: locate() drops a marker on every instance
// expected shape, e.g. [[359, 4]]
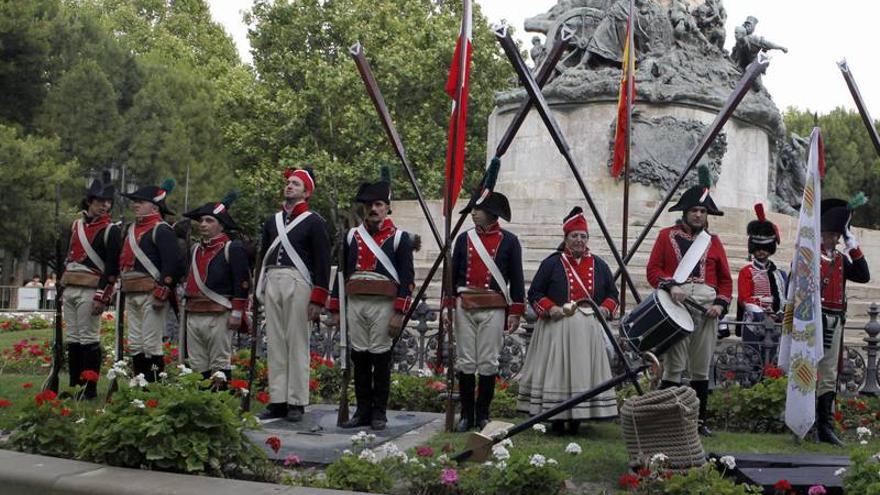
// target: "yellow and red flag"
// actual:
[[625, 100]]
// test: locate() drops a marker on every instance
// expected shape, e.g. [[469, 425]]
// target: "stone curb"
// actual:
[[26, 474]]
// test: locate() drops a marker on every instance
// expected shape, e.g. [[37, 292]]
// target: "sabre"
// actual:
[[755, 69], [544, 76], [860, 103], [357, 53], [534, 92]]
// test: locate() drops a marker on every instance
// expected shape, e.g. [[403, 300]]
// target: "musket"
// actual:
[[357, 53], [51, 382], [255, 337], [860, 103], [343, 415], [181, 331], [544, 76], [755, 69], [119, 327], [534, 92]]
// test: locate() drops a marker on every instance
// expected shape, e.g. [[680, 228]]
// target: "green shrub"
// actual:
[[756, 409], [46, 427], [351, 472], [655, 480], [175, 427], [863, 474]]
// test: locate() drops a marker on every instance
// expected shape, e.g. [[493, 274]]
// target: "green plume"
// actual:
[[167, 185], [492, 173], [230, 197], [859, 199], [385, 174], [704, 177]]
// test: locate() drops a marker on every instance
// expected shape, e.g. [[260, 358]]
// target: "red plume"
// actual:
[[288, 172], [759, 210]]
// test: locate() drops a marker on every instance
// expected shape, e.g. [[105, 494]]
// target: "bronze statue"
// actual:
[[710, 18]]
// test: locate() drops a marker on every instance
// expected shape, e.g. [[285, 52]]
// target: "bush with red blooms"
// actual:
[[756, 409], [27, 356], [854, 412], [29, 321], [656, 480], [89, 376], [46, 427]]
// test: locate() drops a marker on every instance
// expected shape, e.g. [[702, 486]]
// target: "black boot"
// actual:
[[466, 385], [701, 387], [363, 390], [74, 363], [274, 410], [824, 425], [557, 427], [381, 389], [139, 365], [668, 384], [91, 360], [574, 425], [295, 413], [485, 393]]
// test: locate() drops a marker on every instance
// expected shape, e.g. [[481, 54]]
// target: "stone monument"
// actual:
[[683, 78]]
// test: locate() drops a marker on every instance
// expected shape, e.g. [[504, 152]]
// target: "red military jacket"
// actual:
[[669, 248], [836, 270]]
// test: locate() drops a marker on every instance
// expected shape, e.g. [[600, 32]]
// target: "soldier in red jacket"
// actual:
[[836, 269], [709, 284]]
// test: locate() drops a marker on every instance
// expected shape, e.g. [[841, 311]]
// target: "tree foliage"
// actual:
[[852, 164]]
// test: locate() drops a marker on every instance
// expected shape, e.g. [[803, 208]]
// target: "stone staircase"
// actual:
[[538, 225]]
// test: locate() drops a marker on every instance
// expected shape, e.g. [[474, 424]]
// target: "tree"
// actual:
[[851, 162], [318, 113]]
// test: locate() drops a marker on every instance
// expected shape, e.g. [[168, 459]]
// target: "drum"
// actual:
[[657, 323]]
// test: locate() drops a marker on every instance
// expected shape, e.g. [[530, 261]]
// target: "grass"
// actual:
[[9, 338]]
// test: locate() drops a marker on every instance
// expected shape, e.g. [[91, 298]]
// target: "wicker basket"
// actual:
[[663, 422]]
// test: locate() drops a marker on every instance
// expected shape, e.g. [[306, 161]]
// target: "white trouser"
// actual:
[[146, 325], [286, 303], [82, 326], [208, 341], [479, 337]]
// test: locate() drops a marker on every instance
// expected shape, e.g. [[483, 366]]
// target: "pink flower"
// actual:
[[449, 477], [294, 460], [424, 451], [816, 490]]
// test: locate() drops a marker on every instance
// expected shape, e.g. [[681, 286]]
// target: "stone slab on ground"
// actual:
[[26, 474], [317, 439], [801, 470]]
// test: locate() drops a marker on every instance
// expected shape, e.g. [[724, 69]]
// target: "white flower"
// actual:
[[552, 462], [138, 403], [218, 375], [138, 381], [442, 458], [573, 449], [369, 456], [506, 443], [425, 373], [346, 452], [501, 465], [862, 431], [163, 375], [728, 461], [500, 453], [111, 374], [390, 450], [840, 472], [184, 370], [81, 420], [659, 458], [537, 460], [539, 428], [863, 442]]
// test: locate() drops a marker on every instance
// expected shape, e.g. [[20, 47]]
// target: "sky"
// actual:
[[806, 77]]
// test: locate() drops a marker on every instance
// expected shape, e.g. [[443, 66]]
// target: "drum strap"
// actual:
[[693, 256]]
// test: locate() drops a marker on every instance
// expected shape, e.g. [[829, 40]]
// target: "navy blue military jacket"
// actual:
[[468, 270], [108, 251], [358, 257], [159, 244], [555, 285], [311, 242], [227, 277]]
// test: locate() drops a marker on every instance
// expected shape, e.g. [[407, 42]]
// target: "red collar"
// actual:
[[298, 208], [100, 219], [387, 225], [149, 219], [575, 261], [215, 241], [494, 228]]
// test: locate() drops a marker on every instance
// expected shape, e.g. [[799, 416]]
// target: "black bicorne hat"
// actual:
[[369, 192], [101, 190], [763, 234], [218, 210], [154, 194], [496, 204], [698, 196], [837, 213]]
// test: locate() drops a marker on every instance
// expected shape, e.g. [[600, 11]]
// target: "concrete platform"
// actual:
[[318, 441]]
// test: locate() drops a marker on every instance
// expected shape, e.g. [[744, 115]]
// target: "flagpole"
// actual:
[[630, 90], [446, 290]]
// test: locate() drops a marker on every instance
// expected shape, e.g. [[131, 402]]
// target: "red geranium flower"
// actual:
[[436, 385], [46, 396], [782, 485], [168, 359], [313, 384], [89, 376], [424, 451], [644, 472], [730, 375], [27, 385], [65, 411], [152, 403], [274, 443], [263, 396], [838, 416], [5, 403], [628, 480], [773, 372], [242, 384]]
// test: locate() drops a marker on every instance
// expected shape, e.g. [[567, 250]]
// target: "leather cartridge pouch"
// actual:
[[371, 288], [81, 279], [482, 300], [137, 282], [197, 304]]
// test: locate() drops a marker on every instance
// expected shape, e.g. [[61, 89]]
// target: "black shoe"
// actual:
[[557, 427], [381, 388], [362, 417], [295, 413], [573, 426], [379, 421], [466, 387], [704, 430], [363, 390], [485, 393], [274, 411], [701, 387]]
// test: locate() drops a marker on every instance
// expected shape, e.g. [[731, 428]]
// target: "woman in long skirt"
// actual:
[[567, 354]]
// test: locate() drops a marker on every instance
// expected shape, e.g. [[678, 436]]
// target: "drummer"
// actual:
[[567, 354], [709, 284]]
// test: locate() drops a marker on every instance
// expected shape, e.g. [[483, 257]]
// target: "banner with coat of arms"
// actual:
[[800, 350]]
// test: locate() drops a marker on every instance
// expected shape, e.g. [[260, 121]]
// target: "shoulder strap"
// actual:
[[87, 246], [397, 235], [203, 287], [378, 253], [490, 263], [145, 261], [226, 251], [282, 238], [350, 235]]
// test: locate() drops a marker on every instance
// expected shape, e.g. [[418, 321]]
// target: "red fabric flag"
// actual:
[[621, 134], [457, 89]]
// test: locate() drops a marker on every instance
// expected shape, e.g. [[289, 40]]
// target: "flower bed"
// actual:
[[16, 322]]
